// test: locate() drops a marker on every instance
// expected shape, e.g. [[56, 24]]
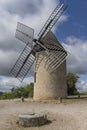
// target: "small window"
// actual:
[[35, 77]]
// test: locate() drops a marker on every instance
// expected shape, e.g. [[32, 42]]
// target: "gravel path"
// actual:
[[69, 115]]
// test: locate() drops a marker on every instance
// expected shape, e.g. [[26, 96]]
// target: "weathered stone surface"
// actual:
[[50, 86], [33, 119]]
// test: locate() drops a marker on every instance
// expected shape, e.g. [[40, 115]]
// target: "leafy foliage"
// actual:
[[26, 91], [71, 81]]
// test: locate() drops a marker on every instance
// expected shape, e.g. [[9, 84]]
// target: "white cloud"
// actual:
[[20, 7], [77, 58], [81, 86], [7, 83]]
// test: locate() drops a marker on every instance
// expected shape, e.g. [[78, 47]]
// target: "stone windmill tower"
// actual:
[[48, 55], [50, 85]]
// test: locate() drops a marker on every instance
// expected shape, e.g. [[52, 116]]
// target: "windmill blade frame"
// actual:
[[20, 63], [52, 20], [52, 45], [26, 67], [54, 60], [25, 34]]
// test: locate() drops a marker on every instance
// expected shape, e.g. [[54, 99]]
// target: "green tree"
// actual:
[[30, 89], [6, 95], [26, 91], [71, 81]]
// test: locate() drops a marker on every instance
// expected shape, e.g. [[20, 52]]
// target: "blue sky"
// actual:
[[70, 30], [77, 23]]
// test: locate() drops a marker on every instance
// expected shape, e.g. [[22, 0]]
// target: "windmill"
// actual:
[[45, 49]]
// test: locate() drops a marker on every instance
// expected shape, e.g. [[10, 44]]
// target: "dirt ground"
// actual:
[[69, 115]]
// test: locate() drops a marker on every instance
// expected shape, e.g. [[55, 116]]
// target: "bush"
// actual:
[[6, 96], [25, 92]]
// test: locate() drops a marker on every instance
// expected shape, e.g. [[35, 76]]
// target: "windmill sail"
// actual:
[[54, 60], [25, 34], [52, 20], [56, 57], [23, 64]]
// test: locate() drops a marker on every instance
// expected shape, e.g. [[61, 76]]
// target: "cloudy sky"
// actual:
[[70, 30]]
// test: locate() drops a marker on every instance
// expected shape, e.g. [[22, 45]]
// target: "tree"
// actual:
[[30, 89], [26, 91], [71, 81]]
